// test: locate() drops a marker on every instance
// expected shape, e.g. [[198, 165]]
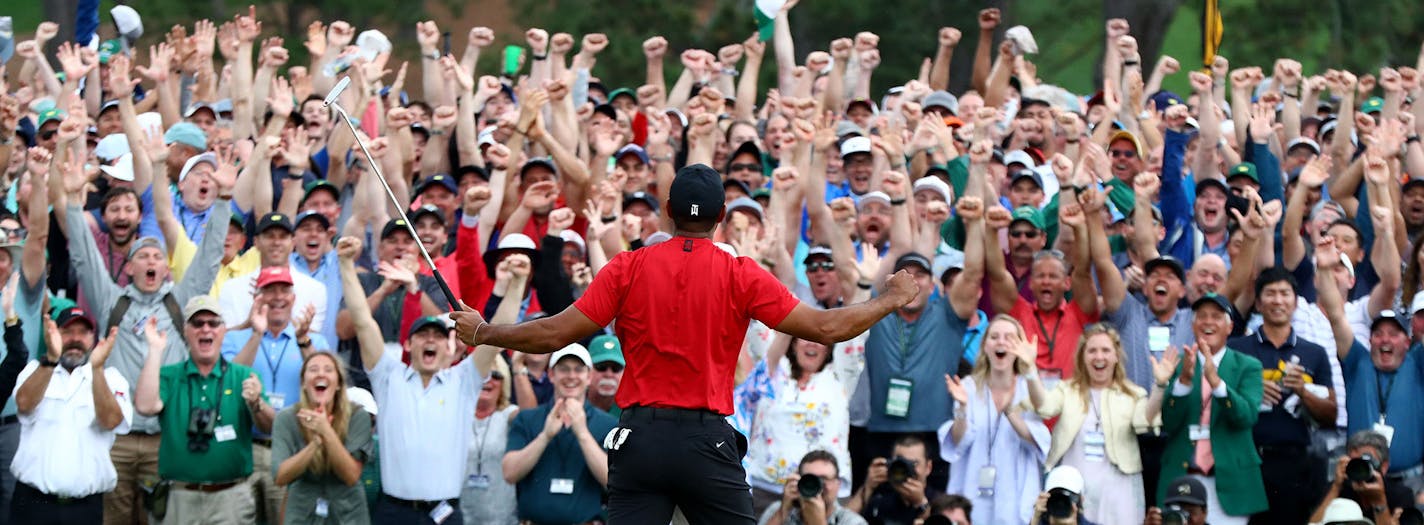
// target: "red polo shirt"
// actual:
[[682, 308], [1057, 331]]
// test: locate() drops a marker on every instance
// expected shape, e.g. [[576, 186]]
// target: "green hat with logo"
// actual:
[[1244, 169], [606, 348], [109, 48], [48, 115], [1030, 214], [1372, 105]]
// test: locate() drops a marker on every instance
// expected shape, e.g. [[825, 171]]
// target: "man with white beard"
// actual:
[[608, 365]]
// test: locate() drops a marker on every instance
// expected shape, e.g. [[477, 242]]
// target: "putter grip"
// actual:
[[445, 289]]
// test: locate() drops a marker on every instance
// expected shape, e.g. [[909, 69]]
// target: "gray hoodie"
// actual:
[[131, 349]]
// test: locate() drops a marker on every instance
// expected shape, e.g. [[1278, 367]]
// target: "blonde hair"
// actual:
[[503, 369], [981, 363], [341, 408], [1080, 381]]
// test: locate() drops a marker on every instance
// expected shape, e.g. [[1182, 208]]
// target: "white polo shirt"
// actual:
[[63, 452], [425, 431]]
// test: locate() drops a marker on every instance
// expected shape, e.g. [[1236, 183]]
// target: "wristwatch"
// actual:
[[432, 55], [44, 361]]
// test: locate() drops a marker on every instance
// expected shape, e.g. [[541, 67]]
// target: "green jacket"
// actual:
[[1238, 468]]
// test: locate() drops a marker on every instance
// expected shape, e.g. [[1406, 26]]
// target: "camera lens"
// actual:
[[1060, 504], [1359, 470], [809, 486], [1174, 517], [900, 470]]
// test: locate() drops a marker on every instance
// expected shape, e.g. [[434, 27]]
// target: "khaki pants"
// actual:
[[268, 496], [135, 458], [231, 506]]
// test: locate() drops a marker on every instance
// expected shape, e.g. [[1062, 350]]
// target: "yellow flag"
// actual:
[[1211, 31]]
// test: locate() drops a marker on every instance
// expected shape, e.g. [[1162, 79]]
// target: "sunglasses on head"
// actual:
[[1028, 234], [818, 266], [210, 323], [1123, 153], [608, 367], [750, 166]]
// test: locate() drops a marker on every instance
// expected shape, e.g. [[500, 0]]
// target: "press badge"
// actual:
[[278, 401], [1094, 448], [441, 512], [1198, 433], [1158, 337], [897, 398], [987, 474], [561, 486], [322, 508], [477, 481], [1384, 430], [224, 433]]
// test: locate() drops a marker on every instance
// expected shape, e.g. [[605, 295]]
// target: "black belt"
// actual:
[[12, 418], [420, 505], [266, 442], [45, 497], [674, 414]]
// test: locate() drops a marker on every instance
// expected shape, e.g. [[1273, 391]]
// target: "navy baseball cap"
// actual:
[[429, 321], [72, 314], [394, 226], [1168, 261], [438, 179], [913, 258], [696, 192], [274, 220], [314, 215], [428, 209]]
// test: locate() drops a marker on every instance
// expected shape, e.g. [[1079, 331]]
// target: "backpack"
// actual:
[[121, 307]]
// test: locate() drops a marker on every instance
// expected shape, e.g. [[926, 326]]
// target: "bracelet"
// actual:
[[768, 263], [296, 174], [539, 57], [433, 55], [662, 158], [1071, 141], [897, 202], [1130, 62], [435, 132], [1412, 138], [610, 219], [305, 343], [1292, 95], [862, 285], [227, 197], [476, 336]]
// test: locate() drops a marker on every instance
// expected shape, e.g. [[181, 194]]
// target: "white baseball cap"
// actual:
[[1064, 477], [933, 184], [362, 398], [855, 145], [576, 350], [112, 146], [1343, 511], [122, 169]]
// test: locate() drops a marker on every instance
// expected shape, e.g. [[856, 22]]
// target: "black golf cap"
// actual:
[[1186, 489], [696, 193], [1168, 261], [274, 220], [915, 259], [428, 209], [429, 321]]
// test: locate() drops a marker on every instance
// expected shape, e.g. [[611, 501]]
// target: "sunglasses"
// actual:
[[752, 166], [12, 233], [48, 134], [1123, 153], [820, 266], [1026, 234], [608, 367], [210, 323]]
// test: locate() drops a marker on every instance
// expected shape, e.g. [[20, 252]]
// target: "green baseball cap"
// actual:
[[1372, 105], [620, 92], [109, 48], [48, 115], [1030, 214], [606, 348], [1244, 169]]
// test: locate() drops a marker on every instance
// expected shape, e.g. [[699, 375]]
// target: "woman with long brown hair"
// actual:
[[319, 446], [1099, 416]]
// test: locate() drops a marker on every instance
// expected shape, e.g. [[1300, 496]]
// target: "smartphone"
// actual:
[[511, 59], [447, 44]]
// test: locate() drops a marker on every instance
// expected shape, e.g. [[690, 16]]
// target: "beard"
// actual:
[[71, 360]]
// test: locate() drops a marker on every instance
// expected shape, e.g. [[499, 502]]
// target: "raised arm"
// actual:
[[785, 48], [829, 327], [964, 293], [1312, 175], [988, 20], [146, 393], [1384, 255], [368, 334]]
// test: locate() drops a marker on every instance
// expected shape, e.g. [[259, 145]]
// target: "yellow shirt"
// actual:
[[184, 250]]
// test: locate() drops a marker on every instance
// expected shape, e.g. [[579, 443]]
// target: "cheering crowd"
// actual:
[[1135, 306]]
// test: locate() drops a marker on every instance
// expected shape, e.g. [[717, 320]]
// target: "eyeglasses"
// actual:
[[210, 323], [608, 367], [1026, 234], [820, 266], [751, 166], [1123, 153]]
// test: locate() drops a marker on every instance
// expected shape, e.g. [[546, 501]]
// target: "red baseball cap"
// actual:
[[274, 275]]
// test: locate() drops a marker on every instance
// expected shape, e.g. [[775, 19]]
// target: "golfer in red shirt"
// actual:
[[682, 308]]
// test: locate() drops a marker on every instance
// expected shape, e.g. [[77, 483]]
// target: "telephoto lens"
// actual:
[[1174, 515], [809, 486], [900, 470], [1060, 504], [1361, 469]]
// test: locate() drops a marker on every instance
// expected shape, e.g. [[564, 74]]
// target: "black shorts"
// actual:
[[662, 458]]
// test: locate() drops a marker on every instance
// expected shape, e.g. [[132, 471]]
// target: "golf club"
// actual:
[[376, 168]]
